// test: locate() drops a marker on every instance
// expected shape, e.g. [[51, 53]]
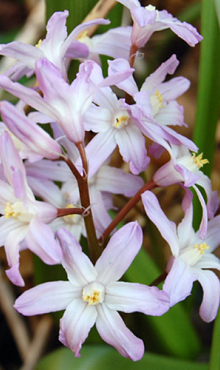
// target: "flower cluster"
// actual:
[[57, 179]]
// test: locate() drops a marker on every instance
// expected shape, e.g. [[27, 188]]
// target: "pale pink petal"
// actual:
[[166, 227], [99, 149], [119, 253], [128, 85], [211, 295], [97, 119], [115, 43], [182, 29], [173, 88], [29, 96], [37, 140], [78, 266], [113, 331], [47, 190], [213, 233], [132, 297], [116, 181], [80, 28], [40, 240], [159, 75], [76, 323], [13, 167], [132, 147], [208, 261], [27, 54], [12, 248], [7, 225], [171, 114], [179, 281], [47, 297]]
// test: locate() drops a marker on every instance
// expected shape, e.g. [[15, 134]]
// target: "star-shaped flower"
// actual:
[[93, 295]]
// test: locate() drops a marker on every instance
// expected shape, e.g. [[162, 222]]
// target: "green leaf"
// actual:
[[106, 358], [78, 10], [217, 8], [173, 332], [215, 353], [208, 104]]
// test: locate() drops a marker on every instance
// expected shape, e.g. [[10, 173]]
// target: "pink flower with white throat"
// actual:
[[57, 47], [148, 19], [19, 211], [192, 256], [184, 167], [93, 294]]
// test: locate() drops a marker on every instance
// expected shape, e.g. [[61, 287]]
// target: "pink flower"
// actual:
[[57, 47], [184, 167], [37, 143], [192, 256], [93, 295], [20, 212], [148, 19]]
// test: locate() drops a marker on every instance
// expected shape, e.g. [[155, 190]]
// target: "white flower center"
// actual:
[[93, 293], [85, 39], [156, 102], [193, 162], [150, 7], [121, 121], [18, 211], [193, 254]]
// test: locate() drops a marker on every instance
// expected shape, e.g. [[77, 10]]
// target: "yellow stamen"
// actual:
[[201, 247], [156, 102], [197, 159], [10, 212], [159, 98], [92, 299], [121, 121], [38, 44]]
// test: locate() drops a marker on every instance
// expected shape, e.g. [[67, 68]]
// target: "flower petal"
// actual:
[[166, 227], [131, 297], [76, 323], [37, 140], [78, 266], [211, 295], [113, 331], [179, 281], [132, 147], [48, 297], [40, 240], [119, 253]]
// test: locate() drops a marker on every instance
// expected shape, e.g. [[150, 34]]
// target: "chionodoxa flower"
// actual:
[[93, 295]]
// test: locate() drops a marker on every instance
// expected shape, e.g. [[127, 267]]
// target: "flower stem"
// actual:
[[95, 248], [160, 278], [132, 56], [123, 212], [69, 211]]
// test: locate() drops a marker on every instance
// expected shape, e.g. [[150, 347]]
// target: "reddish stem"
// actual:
[[123, 212], [69, 211], [132, 56], [160, 278]]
